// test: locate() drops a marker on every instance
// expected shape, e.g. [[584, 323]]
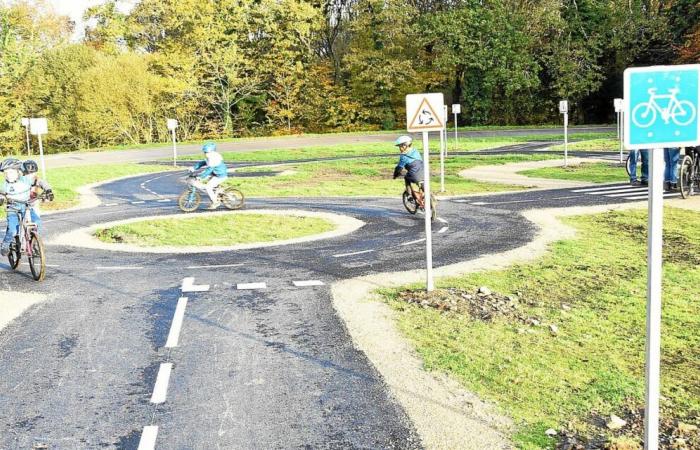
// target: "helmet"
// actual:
[[10, 163], [403, 140], [30, 166], [209, 147]]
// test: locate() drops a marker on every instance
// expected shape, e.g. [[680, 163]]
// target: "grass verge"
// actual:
[[216, 230], [607, 144], [559, 343], [369, 177], [593, 172]]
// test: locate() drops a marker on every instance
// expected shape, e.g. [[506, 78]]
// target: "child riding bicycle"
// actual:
[[15, 188], [30, 169], [216, 168], [411, 160]]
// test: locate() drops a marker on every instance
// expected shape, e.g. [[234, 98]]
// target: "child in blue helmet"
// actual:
[[216, 168], [16, 188], [410, 159]]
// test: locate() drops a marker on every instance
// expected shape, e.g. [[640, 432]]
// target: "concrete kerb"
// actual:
[[445, 415], [13, 304], [84, 237]]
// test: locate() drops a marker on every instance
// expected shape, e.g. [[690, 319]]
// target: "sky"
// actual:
[[75, 9]]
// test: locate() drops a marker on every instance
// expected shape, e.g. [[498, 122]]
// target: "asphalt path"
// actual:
[[254, 366], [283, 142]]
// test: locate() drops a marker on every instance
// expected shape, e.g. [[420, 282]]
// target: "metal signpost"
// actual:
[[424, 113], [25, 124], [39, 127], [172, 126], [443, 148], [661, 105], [456, 109], [564, 109], [619, 110]]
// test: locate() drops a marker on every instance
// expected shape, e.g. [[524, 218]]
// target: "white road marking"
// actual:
[[441, 220], [111, 204], [164, 200], [148, 438], [608, 194], [216, 266], [523, 201], [139, 202], [417, 241], [48, 265], [341, 255], [308, 283], [602, 188], [118, 268], [443, 229], [176, 326], [189, 286], [479, 203], [160, 391], [644, 197], [616, 191], [461, 201], [247, 286]]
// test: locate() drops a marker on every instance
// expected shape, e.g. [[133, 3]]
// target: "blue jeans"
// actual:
[[12, 227], [671, 158], [36, 218], [634, 156]]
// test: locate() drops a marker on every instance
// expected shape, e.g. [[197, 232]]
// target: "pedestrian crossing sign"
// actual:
[[424, 112]]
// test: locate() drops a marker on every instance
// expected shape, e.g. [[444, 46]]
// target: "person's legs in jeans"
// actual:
[[36, 218], [671, 157], [633, 165], [10, 233], [645, 165]]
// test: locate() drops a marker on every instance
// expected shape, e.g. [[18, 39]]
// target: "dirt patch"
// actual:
[[476, 304]]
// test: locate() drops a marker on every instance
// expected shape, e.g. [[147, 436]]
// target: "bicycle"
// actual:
[[190, 199], [413, 200], [689, 177], [644, 114], [27, 241]]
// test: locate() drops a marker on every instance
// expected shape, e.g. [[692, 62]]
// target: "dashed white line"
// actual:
[[111, 204], [308, 283], [148, 438], [616, 191], [602, 188], [160, 391], [248, 286], [164, 200], [215, 266], [341, 255], [139, 202], [176, 326], [644, 197], [443, 229], [118, 268], [441, 220], [189, 286], [417, 241]]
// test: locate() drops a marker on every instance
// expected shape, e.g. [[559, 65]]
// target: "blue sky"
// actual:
[[75, 9]]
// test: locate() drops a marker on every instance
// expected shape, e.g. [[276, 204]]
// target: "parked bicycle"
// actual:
[[27, 242], [413, 200], [689, 177], [190, 199]]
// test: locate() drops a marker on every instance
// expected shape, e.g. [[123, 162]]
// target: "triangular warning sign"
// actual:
[[425, 117]]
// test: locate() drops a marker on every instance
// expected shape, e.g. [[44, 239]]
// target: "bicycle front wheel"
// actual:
[[628, 164], [189, 200], [37, 258], [14, 255], [685, 179], [232, 198], [409, 202]]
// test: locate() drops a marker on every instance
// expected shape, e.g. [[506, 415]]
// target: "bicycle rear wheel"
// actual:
[[232, 198], [37, 258], [628, 164], [409, 203], [685, 179], [14, 256], [433, 207], [189, 200]]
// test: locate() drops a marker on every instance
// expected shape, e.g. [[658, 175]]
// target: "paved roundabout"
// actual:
[[256, 356]]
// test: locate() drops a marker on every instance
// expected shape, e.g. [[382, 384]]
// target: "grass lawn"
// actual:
[[66, 180], [369, 177], [590, 364], [215, 230], [608, 144], [593, 172]]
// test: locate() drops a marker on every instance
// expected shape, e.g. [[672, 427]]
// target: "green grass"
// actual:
[[606, 144], [595, 364], [215, 230], [369, 177], [593, 172], [66, 180]]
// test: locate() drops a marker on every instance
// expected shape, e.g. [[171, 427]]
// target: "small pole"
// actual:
[[41, 156], [654, 273], [174, 149], [456, 137], [29, 147], [566, 139], [443, 149], [428, 225], [621, 113]]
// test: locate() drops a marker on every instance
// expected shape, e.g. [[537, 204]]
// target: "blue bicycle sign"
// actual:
[[663, 103]]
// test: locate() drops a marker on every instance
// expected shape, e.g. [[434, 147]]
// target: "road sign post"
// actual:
[[443, 148], [619, 110], [564, 109], [39, 127], [425, 113], [456, 109], [172, 126], [25, 124], [660, 110]]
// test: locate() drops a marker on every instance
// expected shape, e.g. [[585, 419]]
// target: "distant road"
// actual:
[[261, 144]]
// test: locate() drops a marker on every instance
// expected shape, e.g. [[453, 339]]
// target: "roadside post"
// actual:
[[456, 109], [619, 110], [564, 109], [25, 124], [424, 113], [443, 148], [172, 126], [661, 105], [39, 127]]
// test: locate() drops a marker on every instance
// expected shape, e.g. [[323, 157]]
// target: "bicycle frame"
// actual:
[[26, 227], [672, 102]]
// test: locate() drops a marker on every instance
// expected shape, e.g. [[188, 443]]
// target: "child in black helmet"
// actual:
[[30, 169]]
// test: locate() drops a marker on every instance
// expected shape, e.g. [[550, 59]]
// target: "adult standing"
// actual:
[[671, 159], [635, 155]]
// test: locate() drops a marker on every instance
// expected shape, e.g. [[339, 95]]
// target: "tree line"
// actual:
[[227, 68]]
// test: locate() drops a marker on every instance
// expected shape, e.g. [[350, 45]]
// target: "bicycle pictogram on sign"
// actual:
[[681, 112]]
